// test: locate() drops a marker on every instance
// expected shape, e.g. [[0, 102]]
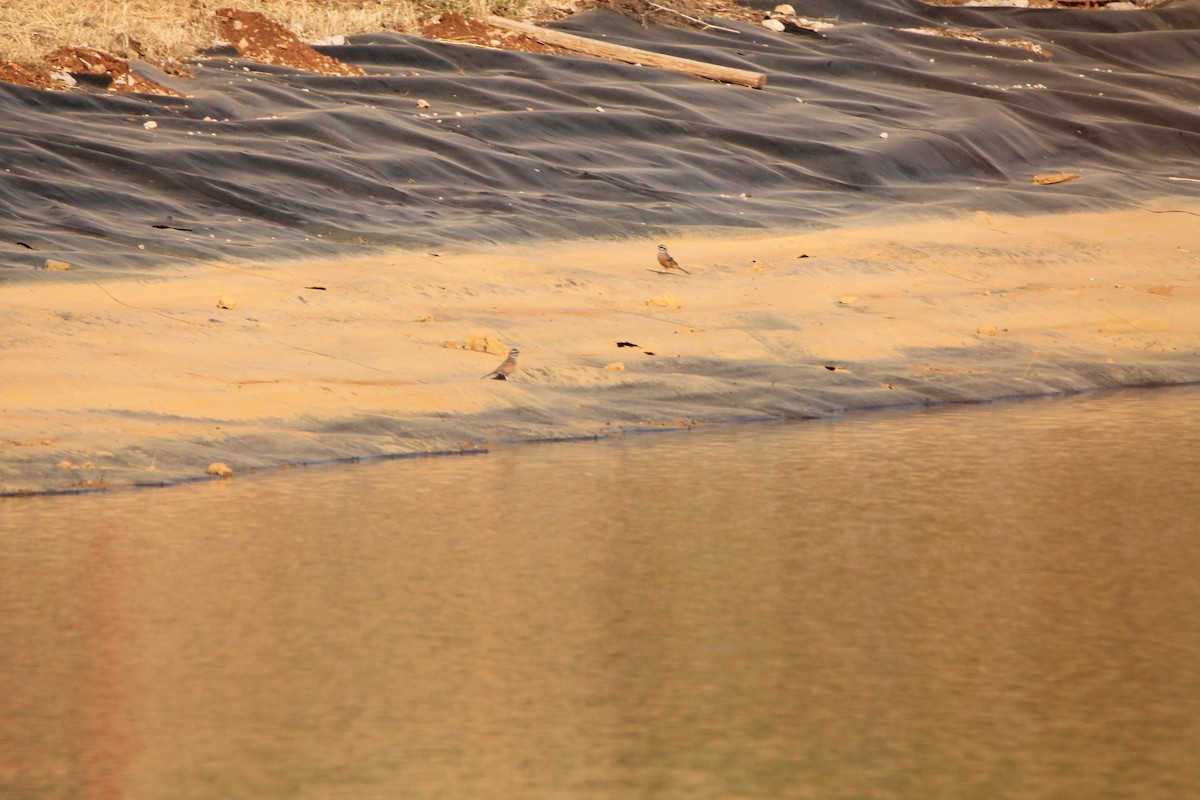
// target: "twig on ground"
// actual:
[[1168, 211], [698, 21]]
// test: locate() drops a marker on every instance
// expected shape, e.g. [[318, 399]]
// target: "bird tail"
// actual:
[[681, 269]]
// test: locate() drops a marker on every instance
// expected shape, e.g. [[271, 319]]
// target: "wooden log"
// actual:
[[631, 55]]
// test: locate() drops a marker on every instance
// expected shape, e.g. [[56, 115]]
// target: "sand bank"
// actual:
[[115, 382]]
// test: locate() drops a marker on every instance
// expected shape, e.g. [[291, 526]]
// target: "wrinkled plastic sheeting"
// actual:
[[260, 162]]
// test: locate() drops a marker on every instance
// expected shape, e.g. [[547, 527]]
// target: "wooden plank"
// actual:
[[631, 55]]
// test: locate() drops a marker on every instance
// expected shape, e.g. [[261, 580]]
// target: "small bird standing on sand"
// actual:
[[667, 262], [507, 367]]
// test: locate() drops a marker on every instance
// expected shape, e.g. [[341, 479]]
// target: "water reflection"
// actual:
[[982, 602]]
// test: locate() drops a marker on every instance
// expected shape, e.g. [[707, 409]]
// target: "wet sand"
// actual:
[[116, 381]]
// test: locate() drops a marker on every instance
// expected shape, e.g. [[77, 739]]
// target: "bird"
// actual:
[[507, 367], [667, 262]]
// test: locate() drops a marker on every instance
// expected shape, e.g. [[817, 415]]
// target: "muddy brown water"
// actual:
[[998, 601]]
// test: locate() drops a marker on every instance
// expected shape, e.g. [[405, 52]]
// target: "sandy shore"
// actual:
[[114, 382]]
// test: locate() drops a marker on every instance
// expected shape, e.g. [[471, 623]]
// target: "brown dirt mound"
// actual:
[[86, 61], [12, 72], [258, 38], [454, 27]]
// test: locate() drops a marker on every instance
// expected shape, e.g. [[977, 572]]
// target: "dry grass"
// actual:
[[167, 31], [164, 30]]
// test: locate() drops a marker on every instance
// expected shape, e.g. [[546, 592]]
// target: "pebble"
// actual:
[[485, 344], [219, 470]]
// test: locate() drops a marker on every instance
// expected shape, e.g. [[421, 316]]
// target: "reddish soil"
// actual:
[[260, 39], [454, 27], [12, 72], [80, 61], [86, 61]]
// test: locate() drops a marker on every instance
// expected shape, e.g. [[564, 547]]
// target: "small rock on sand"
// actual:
[[219, 470], [54, 263], [486, 344], [226, 302], [616, 366]]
